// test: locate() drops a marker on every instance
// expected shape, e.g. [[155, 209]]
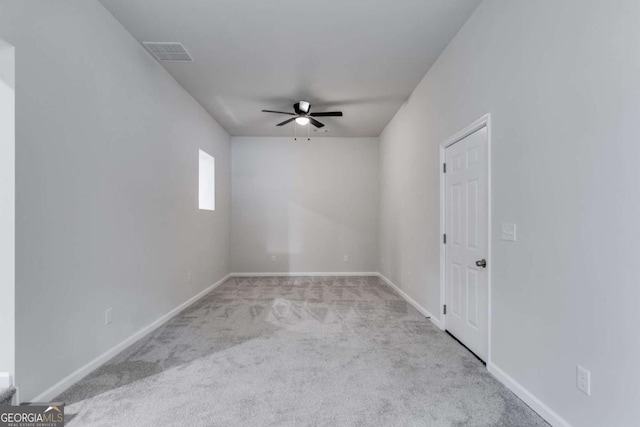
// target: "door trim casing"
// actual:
[[484, 121]]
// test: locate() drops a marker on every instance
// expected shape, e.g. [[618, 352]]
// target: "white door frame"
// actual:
[[7, 215], [484, 121]]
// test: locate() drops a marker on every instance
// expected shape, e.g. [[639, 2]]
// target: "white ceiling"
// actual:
[[363, 57]]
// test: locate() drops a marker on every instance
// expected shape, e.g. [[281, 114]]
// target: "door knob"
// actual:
[[482, 263]]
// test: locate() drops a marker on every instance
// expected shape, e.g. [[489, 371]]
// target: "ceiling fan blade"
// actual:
[[278, 112], [315, 123], [327, 114], [286, 121]]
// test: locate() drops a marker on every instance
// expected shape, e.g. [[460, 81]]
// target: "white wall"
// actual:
[[7, 209], [107, 188], [309, 203], [561, 80]]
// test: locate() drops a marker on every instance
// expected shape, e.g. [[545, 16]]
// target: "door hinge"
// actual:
[[444, 168], [444, 309], [444, 239]]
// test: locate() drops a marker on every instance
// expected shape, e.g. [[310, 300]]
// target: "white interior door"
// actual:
[[466, 227]]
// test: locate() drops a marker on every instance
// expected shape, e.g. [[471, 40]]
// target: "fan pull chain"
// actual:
[[295, 131], [308, 126]]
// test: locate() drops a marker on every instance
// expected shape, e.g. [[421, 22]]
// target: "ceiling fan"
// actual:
[[303, 116]]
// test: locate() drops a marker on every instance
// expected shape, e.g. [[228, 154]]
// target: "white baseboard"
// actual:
[[527, 397], [76, 376], [436, 321], [306, 274]]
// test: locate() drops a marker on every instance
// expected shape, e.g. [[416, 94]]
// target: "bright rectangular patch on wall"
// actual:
[[207, 181]]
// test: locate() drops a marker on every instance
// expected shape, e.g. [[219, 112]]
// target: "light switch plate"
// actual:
[[508, 232]]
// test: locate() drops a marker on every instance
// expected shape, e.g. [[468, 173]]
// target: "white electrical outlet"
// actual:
[[583, 380], [346, 258], [108, 316], [273, 258]]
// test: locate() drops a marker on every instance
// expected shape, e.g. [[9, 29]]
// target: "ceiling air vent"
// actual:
[[168, 51]]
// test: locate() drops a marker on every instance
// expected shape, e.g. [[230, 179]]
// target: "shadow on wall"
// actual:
[[291, 247], [304, 207]]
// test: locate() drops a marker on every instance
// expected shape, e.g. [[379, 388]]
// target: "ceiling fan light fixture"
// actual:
[[302, 121]]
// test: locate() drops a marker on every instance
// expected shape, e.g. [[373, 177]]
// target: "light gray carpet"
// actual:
[[320, 351]]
